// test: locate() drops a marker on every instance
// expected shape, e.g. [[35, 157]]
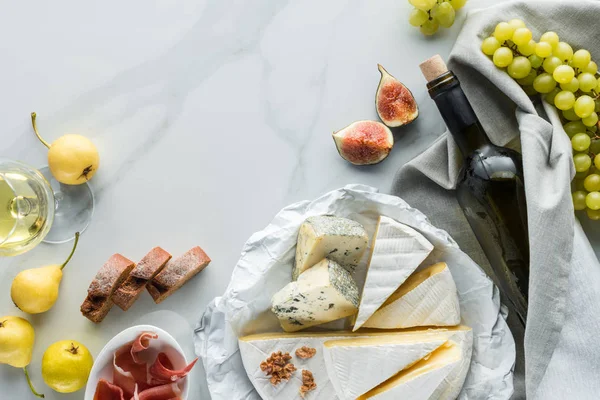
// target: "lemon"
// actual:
[[66, 366], [72, 159]]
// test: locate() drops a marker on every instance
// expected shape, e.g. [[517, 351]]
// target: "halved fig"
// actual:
[[364, 142], [395, 104]]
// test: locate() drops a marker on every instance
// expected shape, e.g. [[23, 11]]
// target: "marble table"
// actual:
[[209, 116]]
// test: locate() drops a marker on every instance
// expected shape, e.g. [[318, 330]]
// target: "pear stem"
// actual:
[[72, 251], [41, 396], [33, 117]]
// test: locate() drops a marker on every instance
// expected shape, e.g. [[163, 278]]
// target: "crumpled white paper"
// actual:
[[265, 267]]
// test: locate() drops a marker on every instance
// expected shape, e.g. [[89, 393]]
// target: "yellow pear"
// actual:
[[66, 366], [16, 344], [35, 290], [72, 159]]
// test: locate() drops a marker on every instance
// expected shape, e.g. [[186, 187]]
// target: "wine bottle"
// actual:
[[490, 187]]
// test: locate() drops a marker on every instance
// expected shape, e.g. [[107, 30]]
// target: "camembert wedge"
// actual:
[[324, 293], [397, 251], [339, 239], [426, 298]]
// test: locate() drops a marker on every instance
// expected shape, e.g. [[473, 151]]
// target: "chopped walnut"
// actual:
[[308, 382], [278, 366], [305, 352]]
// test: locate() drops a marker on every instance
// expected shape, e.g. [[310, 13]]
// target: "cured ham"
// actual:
[[137, 378]]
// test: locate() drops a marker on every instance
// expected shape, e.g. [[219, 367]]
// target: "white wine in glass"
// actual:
[[26, 207]]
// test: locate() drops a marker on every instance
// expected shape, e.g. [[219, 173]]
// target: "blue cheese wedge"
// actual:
[[324, 293], [339, 239]]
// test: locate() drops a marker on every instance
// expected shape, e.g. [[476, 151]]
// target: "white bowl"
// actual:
[[103, 365]]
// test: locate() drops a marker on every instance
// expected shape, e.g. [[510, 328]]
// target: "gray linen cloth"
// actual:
[[559, 356]]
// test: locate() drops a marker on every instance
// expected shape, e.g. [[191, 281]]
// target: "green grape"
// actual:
[[543, 49], [582, 162], [521, 36], [597, 105], [584, 106], [430, 27], [564, 100], [573, 128], [551, 63], [519, 68], [517, 23], [577, 184], [550, 96], [587, 82], [570, 115], [591, 68], [503, 57], [535, 61], [572, 86], [594, 215], [592, 200], [551, 38], [563, 51], [581, 58], [504, 31], [490, 45], [597, 162], [457, 4], [590, 121], [592, 183], [595, 148], [544, 83], [418, 17], [529, 79], [444, 14], [563, 74], [579, 200], [581, 142], [530, 90], [582, 174], [528, 48], [424, 5]]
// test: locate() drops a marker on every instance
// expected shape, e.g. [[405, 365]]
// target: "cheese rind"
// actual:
[[426, 298], [398, 250], [348, 360], [322, 294], [339, 239]]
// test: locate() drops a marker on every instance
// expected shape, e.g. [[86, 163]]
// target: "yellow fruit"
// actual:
[[35, 290], [66, 366], [16, 341], [72, 159]]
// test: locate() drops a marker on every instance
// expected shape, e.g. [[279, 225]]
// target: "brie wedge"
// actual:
[[324, 293], [426, 298], [398, 250], [339, 239]]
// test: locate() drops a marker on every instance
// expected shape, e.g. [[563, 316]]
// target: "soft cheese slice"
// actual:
[[339, 239], [398, 250], [255, 349], [420, 381], [426, 298], [324, 293], [356, 366]]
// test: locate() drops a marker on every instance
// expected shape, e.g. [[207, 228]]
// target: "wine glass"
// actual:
[[35, 207]]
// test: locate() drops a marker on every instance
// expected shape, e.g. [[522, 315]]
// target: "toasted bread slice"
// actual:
[[176, 273], [144, 271], [98, 301]]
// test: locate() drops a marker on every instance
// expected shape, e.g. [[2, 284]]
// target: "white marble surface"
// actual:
[[209, 116]]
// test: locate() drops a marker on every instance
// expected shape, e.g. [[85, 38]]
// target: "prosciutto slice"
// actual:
[[162, 370], [107, 391], [163, 392]]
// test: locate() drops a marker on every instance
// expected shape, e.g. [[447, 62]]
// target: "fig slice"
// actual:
[[364, 142], [395, 104]]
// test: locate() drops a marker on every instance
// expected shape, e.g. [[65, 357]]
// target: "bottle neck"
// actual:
[[458, 113]]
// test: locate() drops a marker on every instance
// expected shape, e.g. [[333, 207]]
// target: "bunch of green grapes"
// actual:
[[429, 15], [569, 80]]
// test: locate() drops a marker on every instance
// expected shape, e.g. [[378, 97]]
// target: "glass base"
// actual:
[[74, 207]]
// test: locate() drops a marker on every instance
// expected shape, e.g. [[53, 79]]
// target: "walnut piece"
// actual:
[[305, 352], [308, 382], [278, 367]]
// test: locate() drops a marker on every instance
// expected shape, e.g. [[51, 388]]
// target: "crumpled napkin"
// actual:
[[558, 354]]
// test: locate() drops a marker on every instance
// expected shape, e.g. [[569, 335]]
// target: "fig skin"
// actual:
[[364, 142], [395, 104]]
